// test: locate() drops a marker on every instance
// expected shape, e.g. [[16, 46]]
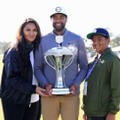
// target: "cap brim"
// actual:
[[90, 35], [57, 13]]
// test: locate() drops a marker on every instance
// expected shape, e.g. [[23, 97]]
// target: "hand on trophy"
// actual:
[[48, 89], [73, 89], [41, 91]]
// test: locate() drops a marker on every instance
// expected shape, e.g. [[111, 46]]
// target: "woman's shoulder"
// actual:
[[10, 53]]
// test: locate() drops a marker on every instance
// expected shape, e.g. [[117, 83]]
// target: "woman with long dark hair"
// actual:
[[19, 88]]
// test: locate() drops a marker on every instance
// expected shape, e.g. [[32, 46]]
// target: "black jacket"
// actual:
[[16, 83]]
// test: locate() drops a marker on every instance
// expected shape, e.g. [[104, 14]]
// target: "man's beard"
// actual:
[[58, 29]]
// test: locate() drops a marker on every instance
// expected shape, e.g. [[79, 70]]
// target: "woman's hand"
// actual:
[[41, 91]]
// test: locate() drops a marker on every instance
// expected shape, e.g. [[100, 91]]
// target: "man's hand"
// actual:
[[73, 89], [48, 89]]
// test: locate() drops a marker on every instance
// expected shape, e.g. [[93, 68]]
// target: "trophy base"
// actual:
[[60, 91]]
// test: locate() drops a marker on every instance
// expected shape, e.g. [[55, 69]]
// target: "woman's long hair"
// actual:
[[20, 35], [22, 45]]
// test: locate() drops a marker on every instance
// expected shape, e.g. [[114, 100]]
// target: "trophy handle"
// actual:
[[52, 60], [68, 62]]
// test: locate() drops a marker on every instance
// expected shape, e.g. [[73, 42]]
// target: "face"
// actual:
[[100, 43], [30, 32], [59, 21]]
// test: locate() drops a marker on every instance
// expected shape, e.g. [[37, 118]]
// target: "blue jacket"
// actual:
[[75, 73]]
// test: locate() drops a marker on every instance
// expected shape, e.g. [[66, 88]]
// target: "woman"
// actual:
[[19, 88]]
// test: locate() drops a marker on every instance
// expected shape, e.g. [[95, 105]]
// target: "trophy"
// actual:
[[59, 58]]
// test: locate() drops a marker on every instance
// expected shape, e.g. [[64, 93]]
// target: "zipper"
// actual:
[[29, 105]]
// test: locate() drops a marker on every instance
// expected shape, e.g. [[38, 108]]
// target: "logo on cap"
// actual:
[[95, 30], [58, 9]]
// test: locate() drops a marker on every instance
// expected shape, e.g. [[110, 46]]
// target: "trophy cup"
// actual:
[[59, 58]]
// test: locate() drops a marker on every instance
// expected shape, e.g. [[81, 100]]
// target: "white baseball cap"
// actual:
[[57, 10]]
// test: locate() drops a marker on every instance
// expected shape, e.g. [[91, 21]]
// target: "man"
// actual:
[[102, 84], [65, 105]]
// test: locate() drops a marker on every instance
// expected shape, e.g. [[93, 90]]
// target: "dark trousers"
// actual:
[[39, 110], [96, 118], [20, 112]]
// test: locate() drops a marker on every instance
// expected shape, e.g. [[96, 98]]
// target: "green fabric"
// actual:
[[103, 95]]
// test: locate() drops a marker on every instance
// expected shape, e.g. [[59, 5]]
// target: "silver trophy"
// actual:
[[59, 58]]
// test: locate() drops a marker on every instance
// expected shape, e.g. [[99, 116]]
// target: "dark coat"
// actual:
[[16, 83]]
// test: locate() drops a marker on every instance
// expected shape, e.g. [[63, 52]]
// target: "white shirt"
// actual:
[[35, 96]]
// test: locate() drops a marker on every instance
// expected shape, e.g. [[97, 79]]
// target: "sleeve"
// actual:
[[114, 105], [83, 63], [38, 68]]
